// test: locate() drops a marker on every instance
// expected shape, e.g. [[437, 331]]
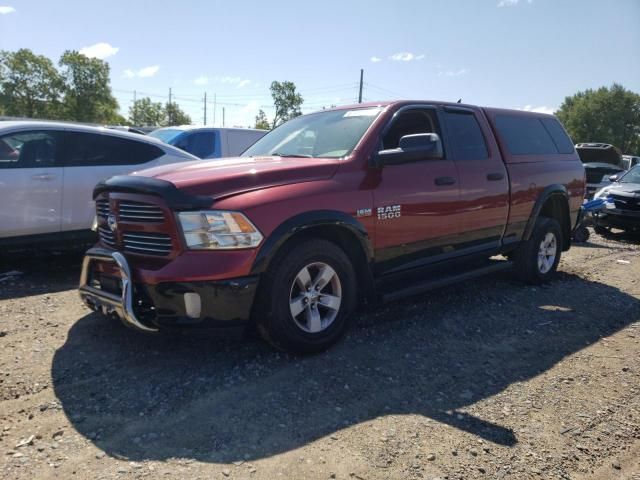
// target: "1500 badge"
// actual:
[[389, 212]]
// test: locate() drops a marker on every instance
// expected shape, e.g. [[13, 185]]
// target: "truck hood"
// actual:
[[229, 176], [627, 189]]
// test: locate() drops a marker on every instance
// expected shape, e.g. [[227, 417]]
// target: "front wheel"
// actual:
[[536, 260], [307, 297]]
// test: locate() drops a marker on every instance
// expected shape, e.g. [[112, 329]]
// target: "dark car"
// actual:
[[624, 193], [600, 161]]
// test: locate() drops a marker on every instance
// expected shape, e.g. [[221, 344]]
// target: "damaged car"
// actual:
[[624, 196]]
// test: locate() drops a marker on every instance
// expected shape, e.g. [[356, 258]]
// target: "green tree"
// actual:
[[175, 116], [286, 101], [146, 113], [30, 85], [608, 115], [261, 121], [87, 91]]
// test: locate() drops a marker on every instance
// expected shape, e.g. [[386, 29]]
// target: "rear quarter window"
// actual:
[[558, 134], [94, 149], [525, 135]]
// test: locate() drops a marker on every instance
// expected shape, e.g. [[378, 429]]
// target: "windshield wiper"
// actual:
[[296, 155]]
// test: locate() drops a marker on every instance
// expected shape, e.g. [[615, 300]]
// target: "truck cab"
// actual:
[[352, 205]]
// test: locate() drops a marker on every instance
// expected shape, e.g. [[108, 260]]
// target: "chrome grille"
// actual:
[[107, 236], [131, 211], [147, 243], [102, 207]]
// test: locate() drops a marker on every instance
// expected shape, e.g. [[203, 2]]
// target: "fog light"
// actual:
[[192, 305]]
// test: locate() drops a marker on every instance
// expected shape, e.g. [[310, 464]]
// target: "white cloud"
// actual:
[[148, 71], [100, 50], [6, 10], [238, 82], [405, 57], [540, 109], [202, 80], [145, 72], [510, 3], [453, 73], [375, 59]]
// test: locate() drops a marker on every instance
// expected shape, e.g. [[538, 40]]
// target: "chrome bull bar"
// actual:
[[109, 303]]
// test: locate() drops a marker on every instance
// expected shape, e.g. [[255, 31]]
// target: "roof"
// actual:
[[400, 103], [76, 127]]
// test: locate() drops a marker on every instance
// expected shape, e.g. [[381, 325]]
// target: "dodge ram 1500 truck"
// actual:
[[331, 210]]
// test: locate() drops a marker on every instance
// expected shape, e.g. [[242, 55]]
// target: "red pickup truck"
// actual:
[[331, 210]]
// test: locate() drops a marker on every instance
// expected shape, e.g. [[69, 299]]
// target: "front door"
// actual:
[[30, 183], [414, 203]]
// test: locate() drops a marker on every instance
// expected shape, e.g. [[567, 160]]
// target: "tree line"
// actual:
[[77, 90]]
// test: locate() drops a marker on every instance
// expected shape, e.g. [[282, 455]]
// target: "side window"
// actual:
[[408, 123], [465, 137], [202, 144], [559, 136], [32, 149], [123, 151], [525, 135], [94, 149]]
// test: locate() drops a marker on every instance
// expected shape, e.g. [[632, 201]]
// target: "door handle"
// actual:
[[44, 177], [440, 181], [495, 176]]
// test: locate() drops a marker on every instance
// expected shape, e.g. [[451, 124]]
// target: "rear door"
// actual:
[[484, 184], [415, 203], [31, 179], [90, 158]]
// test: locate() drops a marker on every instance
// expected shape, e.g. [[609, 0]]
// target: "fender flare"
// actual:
[[303, 221], [546, 194]]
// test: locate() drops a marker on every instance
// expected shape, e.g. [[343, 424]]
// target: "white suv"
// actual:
[[48, 171]]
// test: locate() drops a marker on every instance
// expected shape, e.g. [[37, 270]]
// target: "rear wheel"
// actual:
[[536, 260], [307, 297]]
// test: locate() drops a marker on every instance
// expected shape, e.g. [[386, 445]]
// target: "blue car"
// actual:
[[209, 142]]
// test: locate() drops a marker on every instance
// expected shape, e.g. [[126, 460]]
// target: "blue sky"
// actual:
[[505, 53]]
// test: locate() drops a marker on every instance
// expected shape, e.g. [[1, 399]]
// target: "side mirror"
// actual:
[[614, 178], [411, 148]]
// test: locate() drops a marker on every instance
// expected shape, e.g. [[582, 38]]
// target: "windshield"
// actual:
[[166, 135], [632, 176], [330, 134]]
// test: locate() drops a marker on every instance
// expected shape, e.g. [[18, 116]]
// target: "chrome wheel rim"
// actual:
[[547, 253], [315, 297]]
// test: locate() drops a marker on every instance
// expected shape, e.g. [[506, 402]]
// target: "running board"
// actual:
[[444, 281]]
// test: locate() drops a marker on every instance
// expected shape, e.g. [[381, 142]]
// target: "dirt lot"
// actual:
[[488, 379]]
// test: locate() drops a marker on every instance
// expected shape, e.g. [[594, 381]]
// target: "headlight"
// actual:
[[218, 230]]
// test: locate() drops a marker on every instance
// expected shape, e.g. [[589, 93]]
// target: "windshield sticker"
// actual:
[[362, 112]]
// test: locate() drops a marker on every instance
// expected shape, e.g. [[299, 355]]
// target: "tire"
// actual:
[[530, 266], [600, 230], [324, 314], [581, 234]]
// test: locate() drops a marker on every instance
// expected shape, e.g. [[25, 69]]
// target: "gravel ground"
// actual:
[[487, 379]]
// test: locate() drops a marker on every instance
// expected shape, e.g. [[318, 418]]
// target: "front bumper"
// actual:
[[616, 218], [150, 307]]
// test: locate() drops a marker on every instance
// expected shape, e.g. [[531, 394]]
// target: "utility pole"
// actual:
[[223, 116], [360, 93], [214, 109], [169, 109], [135, 110], [205, 108]]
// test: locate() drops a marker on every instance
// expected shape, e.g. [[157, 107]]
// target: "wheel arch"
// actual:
[[335, 226], [553, 202]]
